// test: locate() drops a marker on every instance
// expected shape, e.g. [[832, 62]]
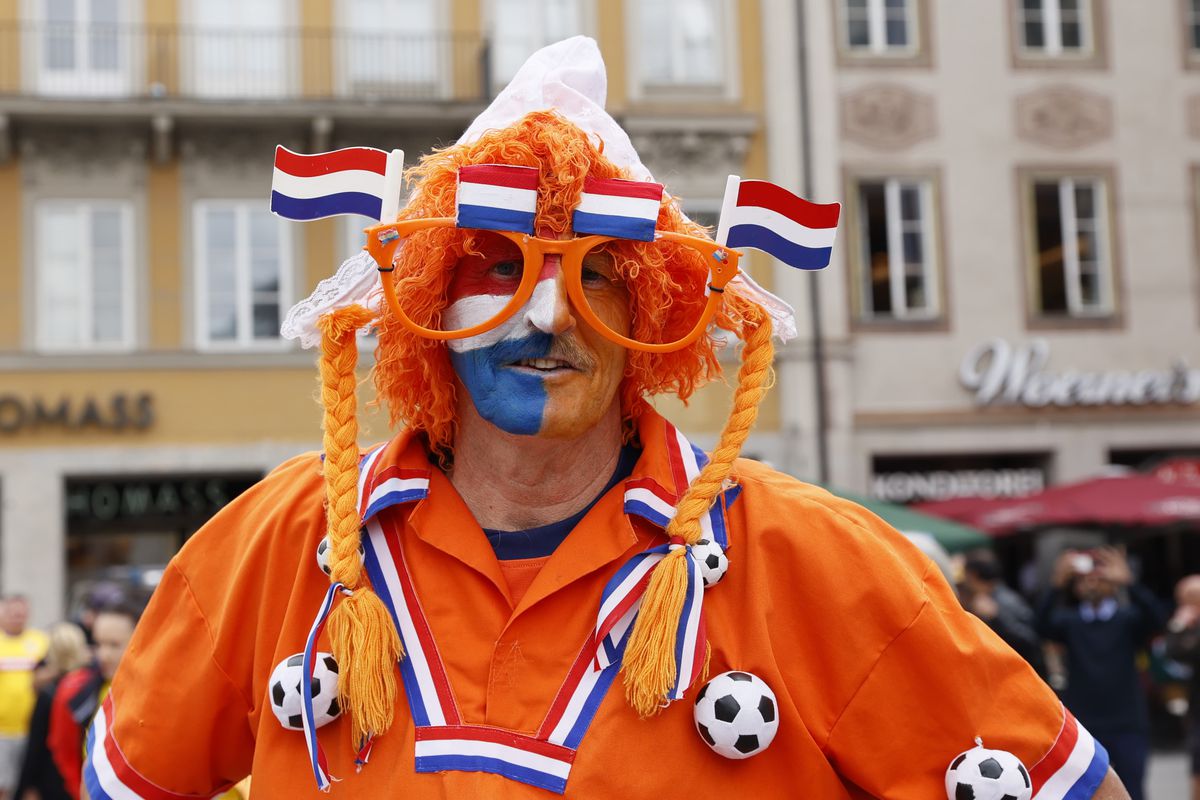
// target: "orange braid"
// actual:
[[649, 662], [363, 640]]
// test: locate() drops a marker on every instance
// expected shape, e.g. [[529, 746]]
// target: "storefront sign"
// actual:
[[118, 412], [999, 373], [167, 500], [944, 484]]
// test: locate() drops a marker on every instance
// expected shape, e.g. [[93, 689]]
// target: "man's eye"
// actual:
[[591, 277], [506, 269]]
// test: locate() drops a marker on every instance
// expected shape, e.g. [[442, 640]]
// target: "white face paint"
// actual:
[[537, 315]]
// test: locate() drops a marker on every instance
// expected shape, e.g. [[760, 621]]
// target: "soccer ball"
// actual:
[[983, 774], [323, 553], [736, 714], [285, 692], [713, 561]]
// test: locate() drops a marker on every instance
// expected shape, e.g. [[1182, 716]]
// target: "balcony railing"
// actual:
[[70, 61]]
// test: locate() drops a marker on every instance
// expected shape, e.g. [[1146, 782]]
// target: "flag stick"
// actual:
[[727, 206], [392, 178]]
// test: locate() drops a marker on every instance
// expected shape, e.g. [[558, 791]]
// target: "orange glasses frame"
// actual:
[[382, 241]]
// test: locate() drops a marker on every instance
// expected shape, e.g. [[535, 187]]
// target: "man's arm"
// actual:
[[1111, 788]]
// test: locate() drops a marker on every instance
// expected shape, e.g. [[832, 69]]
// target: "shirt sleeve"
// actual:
[[173, 725], [181, 718], [63, 737], [909, 679]]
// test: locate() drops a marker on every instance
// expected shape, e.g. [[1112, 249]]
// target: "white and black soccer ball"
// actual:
[[323, 553], [713, 561], [285, 690], [736, 714], [983, 774]]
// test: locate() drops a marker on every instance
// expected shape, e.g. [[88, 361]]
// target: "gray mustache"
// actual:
[[570, 350]]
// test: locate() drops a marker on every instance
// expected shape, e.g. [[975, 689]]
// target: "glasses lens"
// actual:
[[662, 282], [484, 280]]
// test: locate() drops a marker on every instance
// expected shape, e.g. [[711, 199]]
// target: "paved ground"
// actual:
[[1168, 777]]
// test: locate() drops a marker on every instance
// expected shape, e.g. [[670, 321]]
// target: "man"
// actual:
[[504, 527], [80, 692], [1006, 612], [1103, 617], [1183, 645], [21, 648]]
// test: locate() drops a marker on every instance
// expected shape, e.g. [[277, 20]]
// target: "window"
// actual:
[[680, 42], [243, 274], [1191, 24], [520, 27], [1054, 27], [82, 47], [390, 47], [84, 275], [1072, 271], [880, 27], [898, 273], [238, 48]]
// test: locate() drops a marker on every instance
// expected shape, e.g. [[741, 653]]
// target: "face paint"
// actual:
[[539, 372]]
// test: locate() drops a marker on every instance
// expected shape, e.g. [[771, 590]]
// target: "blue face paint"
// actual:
[[512, 400]]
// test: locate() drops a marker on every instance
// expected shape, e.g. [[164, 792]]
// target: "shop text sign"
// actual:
[[118, 412], [944, 484], [1000, 373]]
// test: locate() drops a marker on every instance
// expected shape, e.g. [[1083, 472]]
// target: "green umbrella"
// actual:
[[953, 536]]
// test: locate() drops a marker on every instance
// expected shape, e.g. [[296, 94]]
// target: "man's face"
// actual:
[[15, 615], [111, 633], [544, 371]]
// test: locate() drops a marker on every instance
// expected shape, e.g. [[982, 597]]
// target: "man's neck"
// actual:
[[513, 482]]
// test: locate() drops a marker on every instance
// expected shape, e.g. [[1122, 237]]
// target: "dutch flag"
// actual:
[[354, 180], [767, 217], [613, 207], [497, 197]]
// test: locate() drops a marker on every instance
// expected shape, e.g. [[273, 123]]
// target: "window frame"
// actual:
[[442, 66], [1189, 15], [917, 54], [933, 231], [82, 82], [728, 85], [584, 12], [245, 341], [1036, 319], [190, 73], [1095, 29], [129, 290]]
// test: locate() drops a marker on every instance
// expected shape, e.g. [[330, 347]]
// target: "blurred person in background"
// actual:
[[21, 648], [68, 651], [985, 595], [1183, 645], [80, 692], [1103, 617], [105, 594]]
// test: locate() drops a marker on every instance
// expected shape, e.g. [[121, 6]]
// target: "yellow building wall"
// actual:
[[162, 50], [12, 265], [10, 46], [189, 407], [317, 48], [163, 253]]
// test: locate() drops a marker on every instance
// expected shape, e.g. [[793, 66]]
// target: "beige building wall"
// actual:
[[975, 118]]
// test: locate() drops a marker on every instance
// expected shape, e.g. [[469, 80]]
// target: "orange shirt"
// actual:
[[881, 677]]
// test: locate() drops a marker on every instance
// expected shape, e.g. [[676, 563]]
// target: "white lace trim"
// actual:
[[355, 283], [783, 316]]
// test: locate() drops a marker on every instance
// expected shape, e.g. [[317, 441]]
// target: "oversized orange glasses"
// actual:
[[501, 276]]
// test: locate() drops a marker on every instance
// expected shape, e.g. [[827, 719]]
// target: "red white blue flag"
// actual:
[[497, 197], [613, 207], [767, 217], [353, 180]]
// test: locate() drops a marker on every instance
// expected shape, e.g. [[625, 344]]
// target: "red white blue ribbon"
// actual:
[[316, 754]]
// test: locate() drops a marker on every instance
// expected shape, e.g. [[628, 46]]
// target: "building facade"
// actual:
[[1015, 298], [144, 382]]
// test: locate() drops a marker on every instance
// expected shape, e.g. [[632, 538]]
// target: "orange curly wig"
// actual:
[[413, 375]]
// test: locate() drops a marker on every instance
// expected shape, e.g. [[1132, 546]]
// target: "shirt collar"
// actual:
[[399, 472]]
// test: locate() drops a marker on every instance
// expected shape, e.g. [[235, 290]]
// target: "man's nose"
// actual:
[[549, 310]]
